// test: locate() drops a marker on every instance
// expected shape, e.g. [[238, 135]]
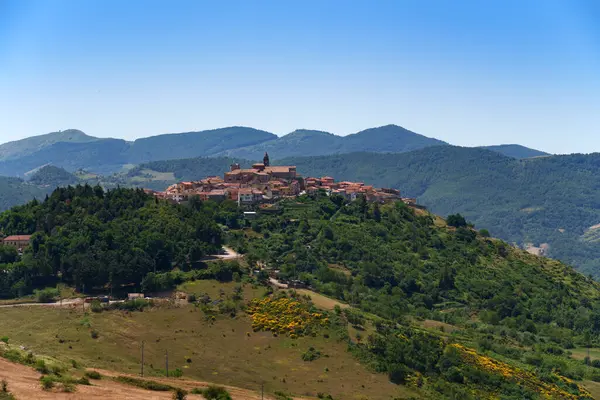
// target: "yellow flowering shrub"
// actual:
[[520, 376], [283, 316]]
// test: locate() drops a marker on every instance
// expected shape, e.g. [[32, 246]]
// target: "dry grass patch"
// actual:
[[437, 325], [319, 300], [216, 289], [225, 352]]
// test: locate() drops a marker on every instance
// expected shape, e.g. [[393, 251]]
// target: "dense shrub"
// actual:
[[216, 393], [47, 295], [41, 367], [179, 394], [311, 354], [93, 375], [47, 382], [398, 373], [96, 306], [456, 220], [144, 384]]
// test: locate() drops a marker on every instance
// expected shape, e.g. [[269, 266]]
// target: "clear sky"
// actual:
[[467, 72]]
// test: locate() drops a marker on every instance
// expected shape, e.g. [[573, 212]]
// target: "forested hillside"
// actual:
[[50, 175], [512, 315], [515, 151], [552, 200], [443, 310], [74, 150], [152, 175], [87, 237], [15, 191], [194, 144], [103, 156], [27, 146], [389, 138]]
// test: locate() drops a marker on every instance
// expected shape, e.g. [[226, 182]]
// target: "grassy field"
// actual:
[[321, 301], [579, 353], [66, 292], [150, 175], [225, 352], [214, 289], [593, 388]]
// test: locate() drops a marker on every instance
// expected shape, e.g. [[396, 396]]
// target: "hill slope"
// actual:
[[516, 151], [551, 199], [541, 200], [51, 175], [440, 311], [30, 145], [394, 263], [157, 175], [193, 144], [15, 191], [102, 156], [389, 138], [72, 150]]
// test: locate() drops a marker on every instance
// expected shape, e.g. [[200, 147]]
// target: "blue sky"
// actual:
[[468, 72]]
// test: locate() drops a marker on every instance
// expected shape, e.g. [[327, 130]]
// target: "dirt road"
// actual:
[[65, 303], [24, 383], [230, 254]]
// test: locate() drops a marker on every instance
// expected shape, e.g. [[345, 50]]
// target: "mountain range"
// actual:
[[548, 204], [72, 149]]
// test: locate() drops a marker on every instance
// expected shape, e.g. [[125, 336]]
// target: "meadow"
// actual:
[[225, 351]]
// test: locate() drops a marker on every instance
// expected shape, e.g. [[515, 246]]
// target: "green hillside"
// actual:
[[153, 174], [90, 237], [51, 175], [442, 312], [15, 191], [102, 156], [550, 200], [396, 265], [73, 151], [302, 141], [389, 138], [516, 151], [194, 144], [30, 145]]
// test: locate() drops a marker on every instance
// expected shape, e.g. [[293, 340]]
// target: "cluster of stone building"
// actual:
[[19, 242], [263, 183]]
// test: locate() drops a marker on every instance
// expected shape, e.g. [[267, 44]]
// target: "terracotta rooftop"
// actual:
[[278, 168], [17, 238]]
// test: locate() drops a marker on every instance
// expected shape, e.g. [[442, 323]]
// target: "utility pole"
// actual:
[[262, 391], [167, 361], [142, 358]]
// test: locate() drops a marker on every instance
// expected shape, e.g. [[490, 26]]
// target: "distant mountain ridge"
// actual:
[[516, 151], [383, 139], [30, 145], [73, 149], [106, 156]]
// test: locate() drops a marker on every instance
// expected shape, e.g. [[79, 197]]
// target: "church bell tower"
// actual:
[[266, 159]]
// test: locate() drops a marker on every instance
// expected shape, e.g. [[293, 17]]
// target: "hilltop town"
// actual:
[[264, 183]]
